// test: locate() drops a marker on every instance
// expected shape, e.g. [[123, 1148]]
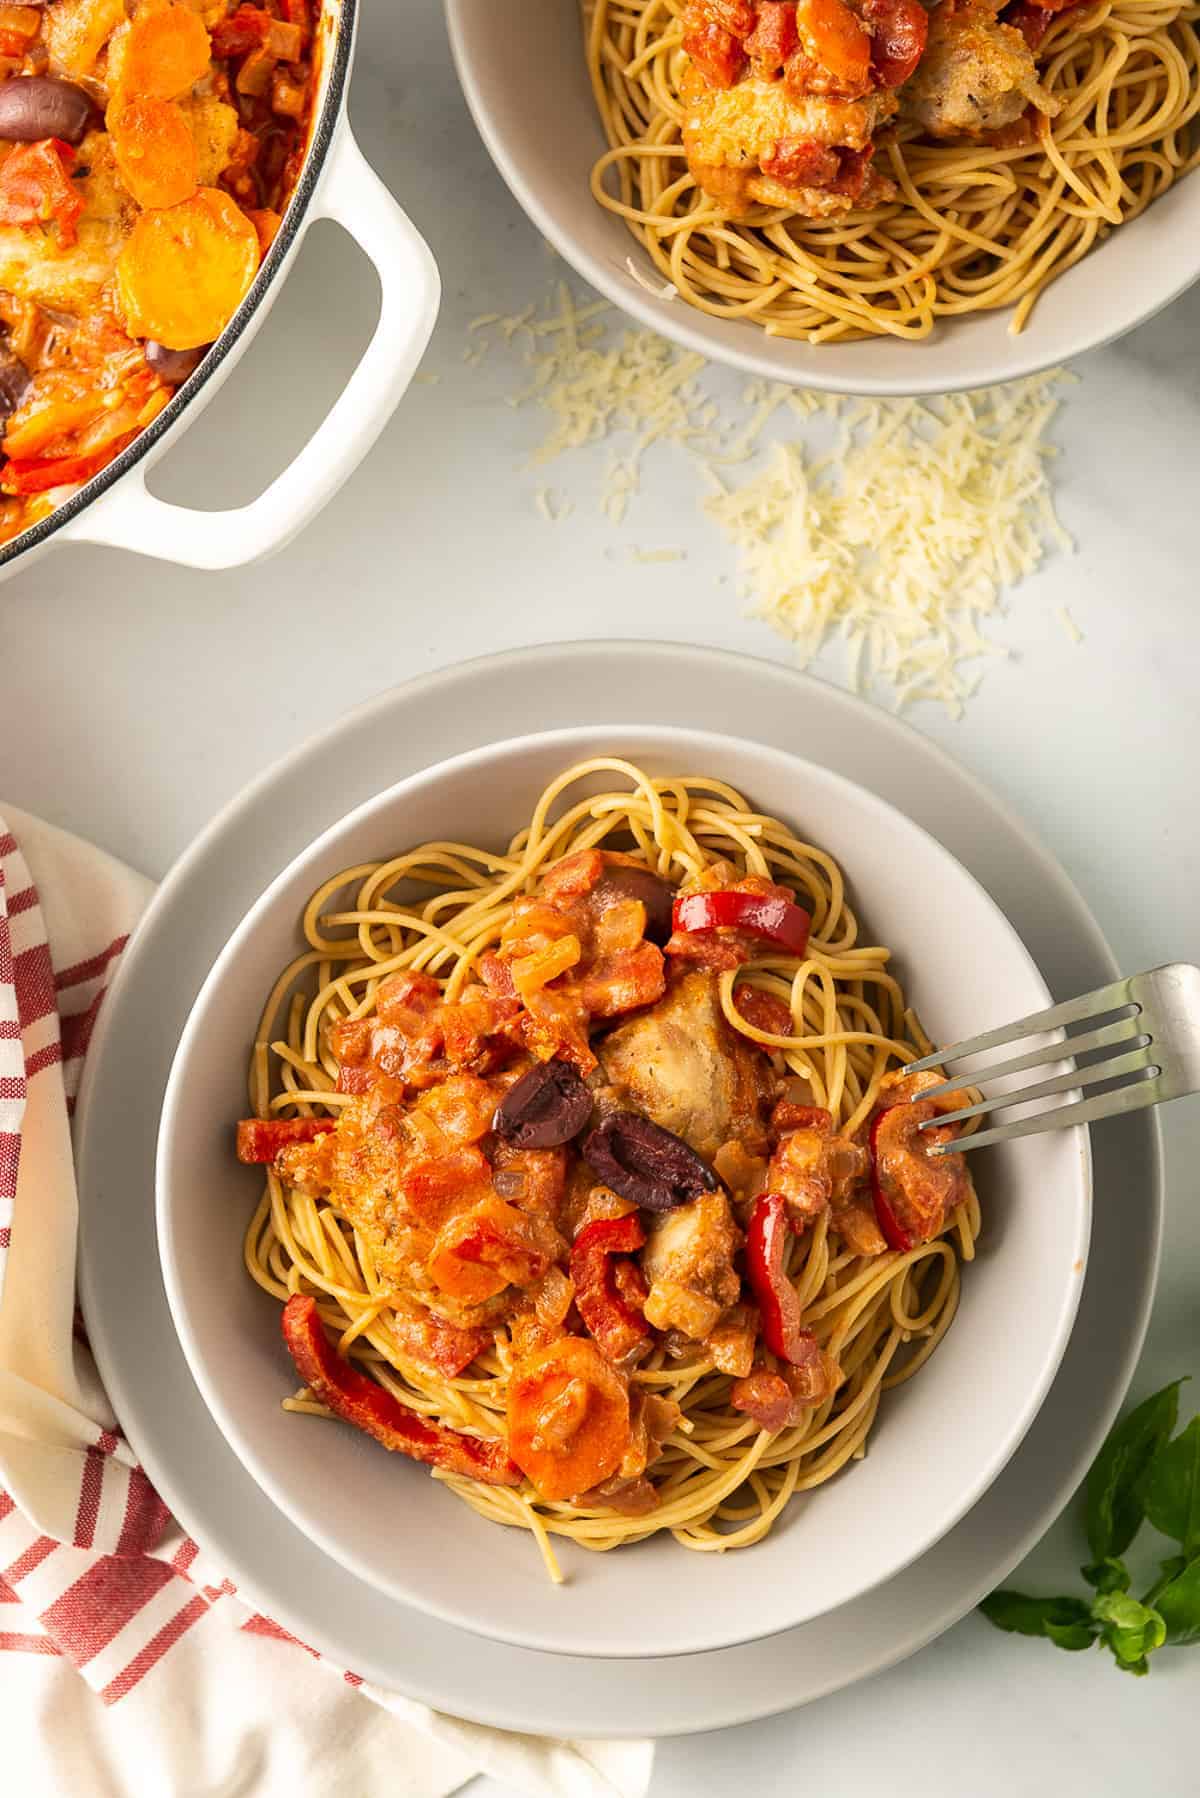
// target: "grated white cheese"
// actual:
[[900, 538]]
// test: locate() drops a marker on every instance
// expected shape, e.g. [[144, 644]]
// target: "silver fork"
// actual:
[[1149, 1050]]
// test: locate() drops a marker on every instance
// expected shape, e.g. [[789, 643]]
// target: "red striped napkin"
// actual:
[[156, 1675]]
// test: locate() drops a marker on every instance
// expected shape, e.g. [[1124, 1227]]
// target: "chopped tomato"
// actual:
[[568, 1418], [716, 53], [244, 30], [368, 1406], [774, 37], [900, 31], [260, 1139], [36, 187], [763, 1011], [852, 171], [798, 162]]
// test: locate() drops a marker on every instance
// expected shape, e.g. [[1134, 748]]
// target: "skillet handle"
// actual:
[[128, 517]]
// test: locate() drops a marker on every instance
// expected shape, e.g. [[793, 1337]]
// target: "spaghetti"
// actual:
[[975, 226], [720, 1481]]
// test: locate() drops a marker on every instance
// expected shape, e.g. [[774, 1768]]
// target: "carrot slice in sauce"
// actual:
[[165, 53], [155, 151], [568, 1418], [185, 270]]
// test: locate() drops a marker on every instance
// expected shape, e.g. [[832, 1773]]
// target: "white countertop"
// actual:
[[135, 699]]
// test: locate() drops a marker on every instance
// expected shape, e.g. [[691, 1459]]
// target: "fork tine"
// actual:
[[1134, 1097], [1072, 1011], [1133, 1063], [1109, 1034]]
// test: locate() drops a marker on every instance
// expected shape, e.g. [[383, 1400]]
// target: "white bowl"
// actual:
[[523, 73], [939, 1441]]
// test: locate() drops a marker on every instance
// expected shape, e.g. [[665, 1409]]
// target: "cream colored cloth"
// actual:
[[127, 1664]]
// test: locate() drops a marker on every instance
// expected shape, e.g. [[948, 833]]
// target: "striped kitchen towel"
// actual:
[[129, 1665]]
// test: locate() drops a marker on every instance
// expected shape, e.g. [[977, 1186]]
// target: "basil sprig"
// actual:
[[1143, 1474]]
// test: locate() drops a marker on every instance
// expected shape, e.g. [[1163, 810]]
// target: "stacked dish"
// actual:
[[940, 1440], [232, 1328]]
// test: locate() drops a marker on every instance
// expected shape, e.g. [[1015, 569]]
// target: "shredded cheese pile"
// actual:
[[900, 539], [903, 538]]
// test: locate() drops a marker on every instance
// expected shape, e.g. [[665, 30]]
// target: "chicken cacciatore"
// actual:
[[578, 1162]]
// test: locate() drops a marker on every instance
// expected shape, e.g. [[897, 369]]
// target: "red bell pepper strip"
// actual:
[[37, 474], [782, 1329], [605, 1289], [894, 1232], [370, 1407], [778, 921], [260, 1139]]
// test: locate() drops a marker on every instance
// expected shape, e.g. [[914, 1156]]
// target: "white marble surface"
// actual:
[[135, 699]]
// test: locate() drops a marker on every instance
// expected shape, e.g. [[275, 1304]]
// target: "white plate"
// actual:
[[939, 1442], [125, 1307]]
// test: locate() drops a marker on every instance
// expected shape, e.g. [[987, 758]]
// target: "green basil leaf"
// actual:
[[1168, 1571], [1171, 1489], [1026, 1616], [1108, 1575], [1132, 1630], [1114, 1504], [1179, 1606], [1071, 1636]]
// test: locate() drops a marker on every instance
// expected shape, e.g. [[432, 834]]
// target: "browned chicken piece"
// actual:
[[853, 1219], [736, 137], [377, 1172], [688, 1260], [976, 75], [682, 1066], [733, 1340]]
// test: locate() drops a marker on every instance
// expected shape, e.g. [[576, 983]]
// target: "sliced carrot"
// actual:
[[568, 1418], [155, 151], [184, 271], [480, 1252], [165, 53]]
